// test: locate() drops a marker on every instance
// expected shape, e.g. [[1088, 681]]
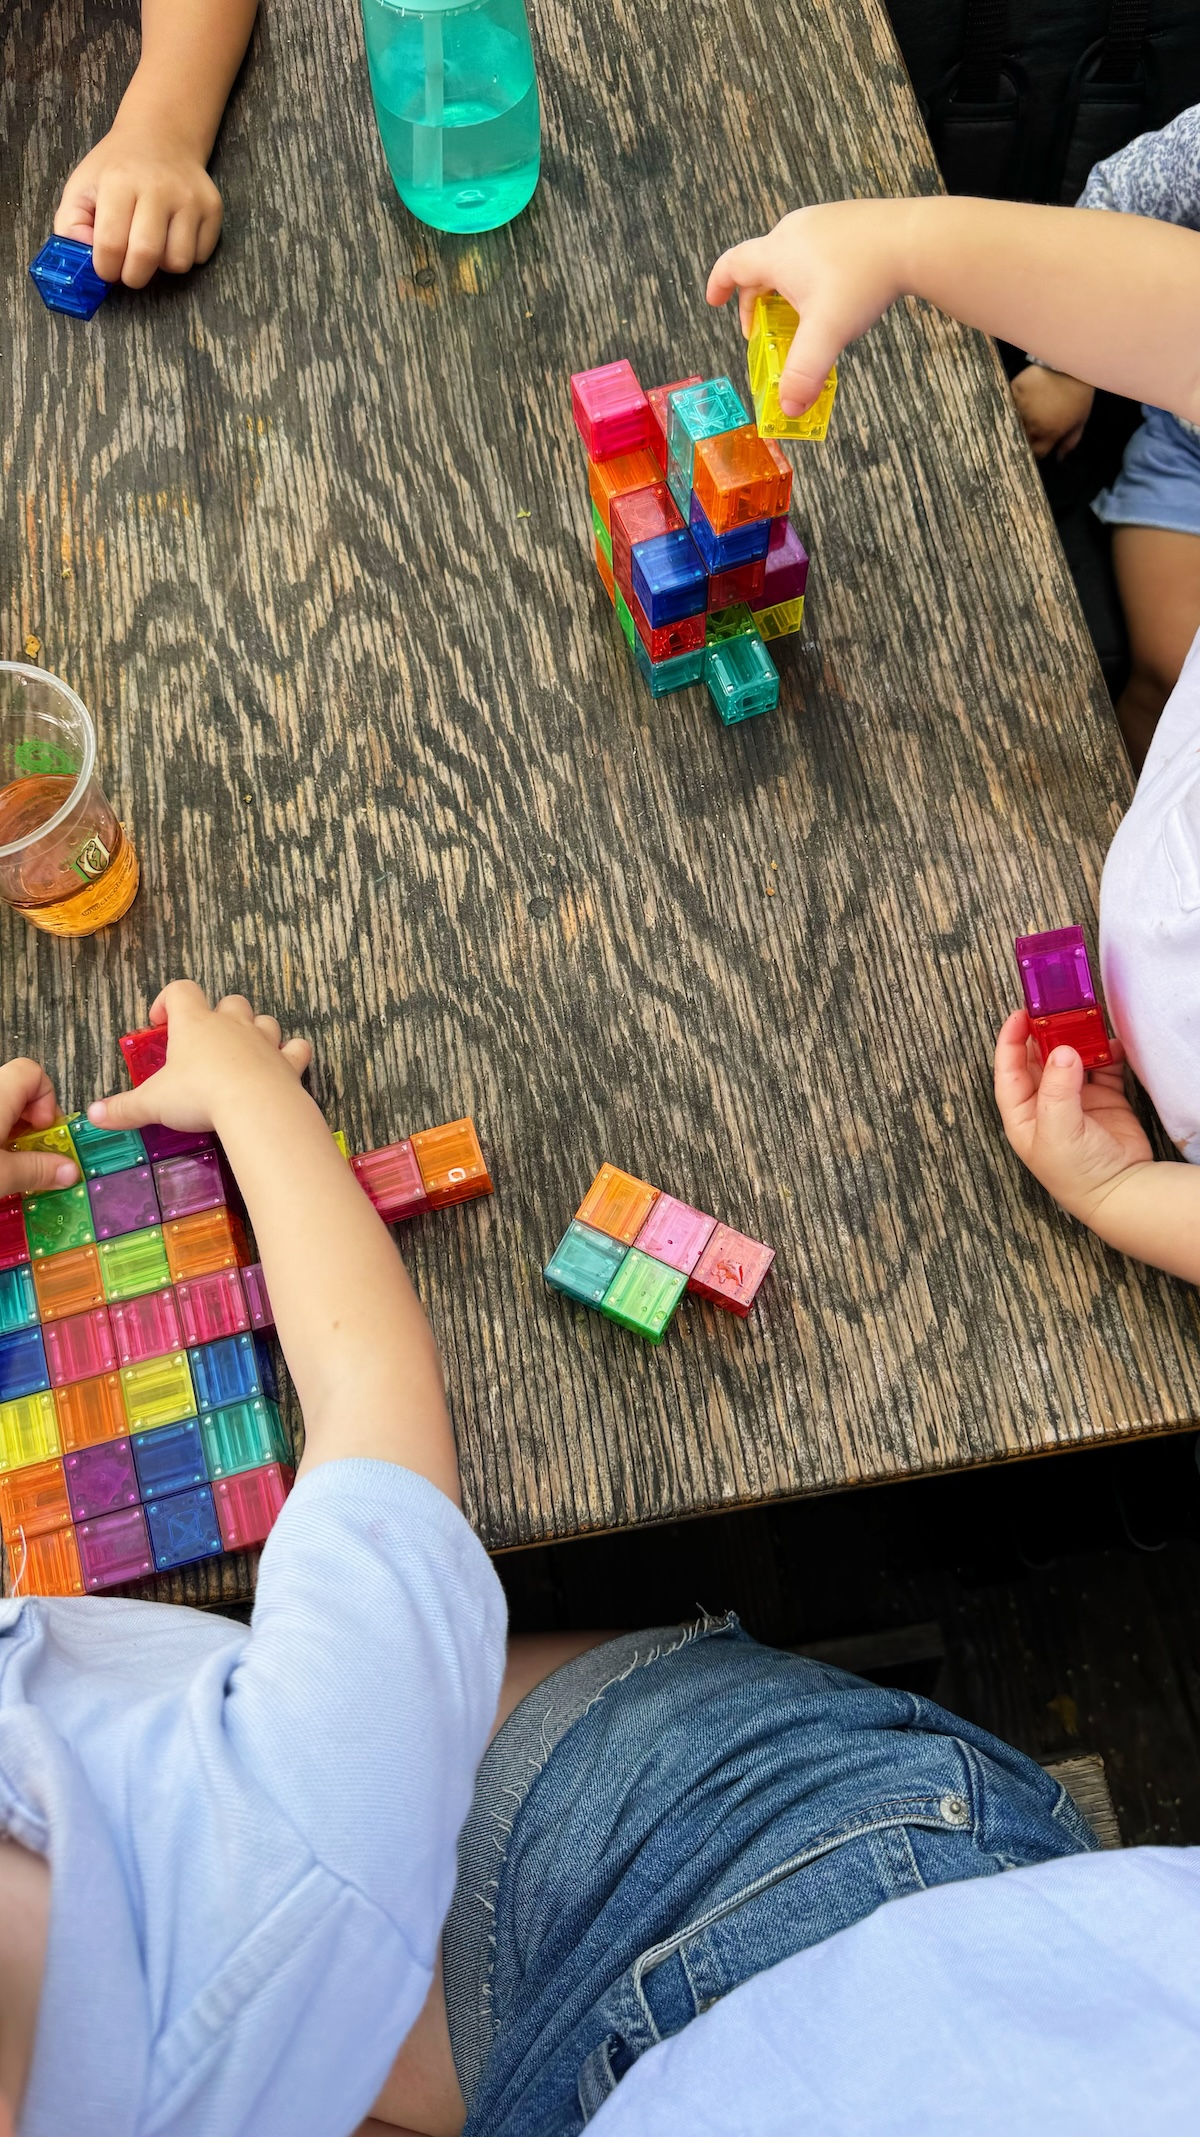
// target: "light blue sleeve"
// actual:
[[1157, 175]]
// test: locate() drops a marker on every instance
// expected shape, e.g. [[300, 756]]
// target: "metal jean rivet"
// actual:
[[954, 1810]]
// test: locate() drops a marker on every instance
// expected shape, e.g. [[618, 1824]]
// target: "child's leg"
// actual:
[[1158, 573]]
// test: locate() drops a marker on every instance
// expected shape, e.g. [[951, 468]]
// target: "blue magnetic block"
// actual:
[[169, 1459], [22, 1365], [704, 411], [231, 1370], [679, 483], [584, 1263], [669, 579], [183, 1528], [742, 677], [723, 552], [66, 280], [663, 676], [18, 1300]]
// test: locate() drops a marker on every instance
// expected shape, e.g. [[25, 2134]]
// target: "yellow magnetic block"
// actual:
[[340, 1140], [28, 1431], [774, 327], [56, 1138], [813, 425], [782, 620], [158, 1391]]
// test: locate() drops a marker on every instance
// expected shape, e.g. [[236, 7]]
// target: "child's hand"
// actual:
[[1078, 1138], [27, 1101], [142, 200], [1053, 408], [218, 1060]]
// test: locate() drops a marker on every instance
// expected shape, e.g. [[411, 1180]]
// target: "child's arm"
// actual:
[[27, 1101], [356, 1341], [1085, 1144], [143, 198], [1109, 298]]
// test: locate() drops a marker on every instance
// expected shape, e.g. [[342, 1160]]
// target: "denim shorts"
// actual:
[[1159, 481], [674, 1811]]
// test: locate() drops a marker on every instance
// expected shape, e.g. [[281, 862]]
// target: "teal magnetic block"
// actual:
[[663, 676], [679, 483], [18, 1300], [57, 1221], [243, 1435], [584, 1263], [704, 411], [742, 678], [104, 1150], [643, 1295]]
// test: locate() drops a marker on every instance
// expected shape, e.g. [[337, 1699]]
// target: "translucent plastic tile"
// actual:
[[170, 1459], [46, 1565], [612, 414], [80, 1347], [1055, 973], [213, 1239], [640, 517], [114, 1549], [212, 1306], [14, 1246], [1084, 1029], [812, 425], [157, 1392], [617, 1203], [184, 1529], [258, 1304], [584, 1263], [452, 1163], [34, 1500], [134, 1264], [231, 1370], [703, 411], [729, 623], [744, 583], [774, 326], [643, 1295], [145, 1052], [342, 1145], [66, 280], [678, 672], [604, 568], [679, 483], [23, 1369], [248, 1506], [610, 479], [199, 1181], [658, 397], [123, 1202], [90, 1411], [59, 1220], [782, 621], [101, 1479], [599, 530], [672, 640], [742, 678], [721, 552], [28, 1431], [146, 1327], [736, 479], [104, 1150], [243, 1435], [669, 578], [56, 1139], [628, 630], [67, 1284], [731, 1269], [675, 1233], [18, 1299], [785, 576], [391, 1177], [175, 1142]]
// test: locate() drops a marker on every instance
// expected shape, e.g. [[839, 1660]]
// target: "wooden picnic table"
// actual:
[[309, 532]]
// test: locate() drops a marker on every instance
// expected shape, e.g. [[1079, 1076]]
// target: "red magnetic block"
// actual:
[[657, 397], [212, 1306], [248, 1505], [742, 582], [686, 636], [676, 1233], [638, 517], [78, 1348], [14, 1247], [145, 1052], [612, 414], [146, 1327], [391, 1178], [257, 1302], [1084, 1029], [731, 1269]]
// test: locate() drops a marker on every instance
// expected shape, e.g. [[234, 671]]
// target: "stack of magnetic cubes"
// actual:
[[631, 1252], [1060, 997], [692, 536]]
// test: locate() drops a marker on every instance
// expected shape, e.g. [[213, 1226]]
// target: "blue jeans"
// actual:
[[675, 1811]]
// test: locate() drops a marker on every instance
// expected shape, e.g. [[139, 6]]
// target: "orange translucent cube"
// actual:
[[198, 1246], [90, 1411], [34, 1500], [617, 1203], [68, 1283], [45, 1565], [452, 1164], [737, 480], [614, 478]]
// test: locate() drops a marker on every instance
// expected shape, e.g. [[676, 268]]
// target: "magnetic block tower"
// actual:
[[692, 537], [631, 1252], [1060, 996], [66, 280], [140, 1427]]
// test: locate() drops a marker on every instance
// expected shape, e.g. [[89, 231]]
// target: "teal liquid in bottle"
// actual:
[[456, 99]]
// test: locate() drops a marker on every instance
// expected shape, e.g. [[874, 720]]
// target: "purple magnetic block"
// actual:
[[676, 1233], [123, 1202], [1055, 972], [175, 1142], [787, 569], [146, 1327], [80, 1347], [254, 1284], [101, 1479], [212, 1306], [114, 1548], [199, 1180]]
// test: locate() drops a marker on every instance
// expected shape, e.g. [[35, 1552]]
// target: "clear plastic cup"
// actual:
[[65, 861]]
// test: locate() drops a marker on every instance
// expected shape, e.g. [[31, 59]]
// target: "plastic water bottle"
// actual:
[[456, 98]]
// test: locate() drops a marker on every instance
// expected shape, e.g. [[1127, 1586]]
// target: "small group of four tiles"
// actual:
[[631, 1252]]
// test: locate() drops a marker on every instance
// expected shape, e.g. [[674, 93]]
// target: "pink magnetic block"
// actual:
[[212, 1306], [786, 575], [612, 414], [676, 1233], [1055, 972], [145, 1052], [258, 1305], [79, 1347], [114, 1548], [392, 1179], [247, 1505], [14, 1247], [123, 1202], [731, 1269], [174, 1142], [146, 1327], [199, 1180], [101, 1479]]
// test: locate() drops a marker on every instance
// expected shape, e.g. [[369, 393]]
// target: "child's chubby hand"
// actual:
[[142, 199], [27, 1101], [1079, 1136], [221, 1063], [1053, 408]]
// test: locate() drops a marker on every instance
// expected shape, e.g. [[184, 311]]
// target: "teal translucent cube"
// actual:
[[584, 1263], [643, 1295], [742, 678], [104, 1150], [133, 1264], [704, 411], [58, 1221], [244, 1435], [663, 676], [18, 1300]]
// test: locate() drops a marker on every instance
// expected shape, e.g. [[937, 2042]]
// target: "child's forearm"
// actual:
[[1152, 1213], [191, 52]]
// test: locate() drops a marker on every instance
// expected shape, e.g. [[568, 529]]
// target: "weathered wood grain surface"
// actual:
[[309, 532]]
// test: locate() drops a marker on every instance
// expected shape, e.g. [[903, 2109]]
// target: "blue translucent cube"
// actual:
[[669, 579], [22, 1365], [231, 1370], [584, 1263], [723, 552], [18, 1300], [66, 280], [170, 1459], [742, 678], [663, 676], [704, 411], [183, 1529]]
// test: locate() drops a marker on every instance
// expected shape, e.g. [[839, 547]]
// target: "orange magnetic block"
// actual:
[[452, 1164], [614, 478], [45, 1565], [784, 469], [34, 1500], [198, 1246], [617, 1203], [736, 479], [90, 1411], [68, 1283], [605, 570]]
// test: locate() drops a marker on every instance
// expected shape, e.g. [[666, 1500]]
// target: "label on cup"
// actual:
[[35, 755], [92, 859]]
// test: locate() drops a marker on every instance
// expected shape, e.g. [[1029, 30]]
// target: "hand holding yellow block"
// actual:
[[775, 323]]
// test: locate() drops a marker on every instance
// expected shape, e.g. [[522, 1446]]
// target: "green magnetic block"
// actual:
[[625, 620], [732, 622], [158, 1392], [244, 1435], [58, 1221], [643, 1295], [104, 1150], [601, 532], [18, 1300], [742, 678], [134, 1264], [584, 1263]]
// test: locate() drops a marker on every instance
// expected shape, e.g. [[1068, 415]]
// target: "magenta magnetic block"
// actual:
[[114, 1548], [80, 1347], [146, 1327], [392, 1179], [145, 1052], [212, 1306], [612, 414], [199, 1180], [175, 1142], [787, 568], [247, 1505], [731, 1269], [123, 1202], [258, 1305], [101, 1479], [14, 1246], [1055, 972], [676, 1233]]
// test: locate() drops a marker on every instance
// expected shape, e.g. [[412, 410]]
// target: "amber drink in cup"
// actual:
[[65, 861]]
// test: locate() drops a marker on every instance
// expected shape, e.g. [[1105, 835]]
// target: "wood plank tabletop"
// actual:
[[309, 532]]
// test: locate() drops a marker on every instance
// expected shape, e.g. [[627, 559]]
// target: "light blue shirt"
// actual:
[[251, 1831]]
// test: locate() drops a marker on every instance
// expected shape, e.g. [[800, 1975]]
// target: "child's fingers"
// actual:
[[75, 215], [816, 345], [179, 998], [742, 267], [1060, 1097], [236, 1005], [179, 251], [116, 199], [297, 1053], [209, 231], [26, 1094], [32, 1172], [140, 1108], [147, 240], [1013, 1078]]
